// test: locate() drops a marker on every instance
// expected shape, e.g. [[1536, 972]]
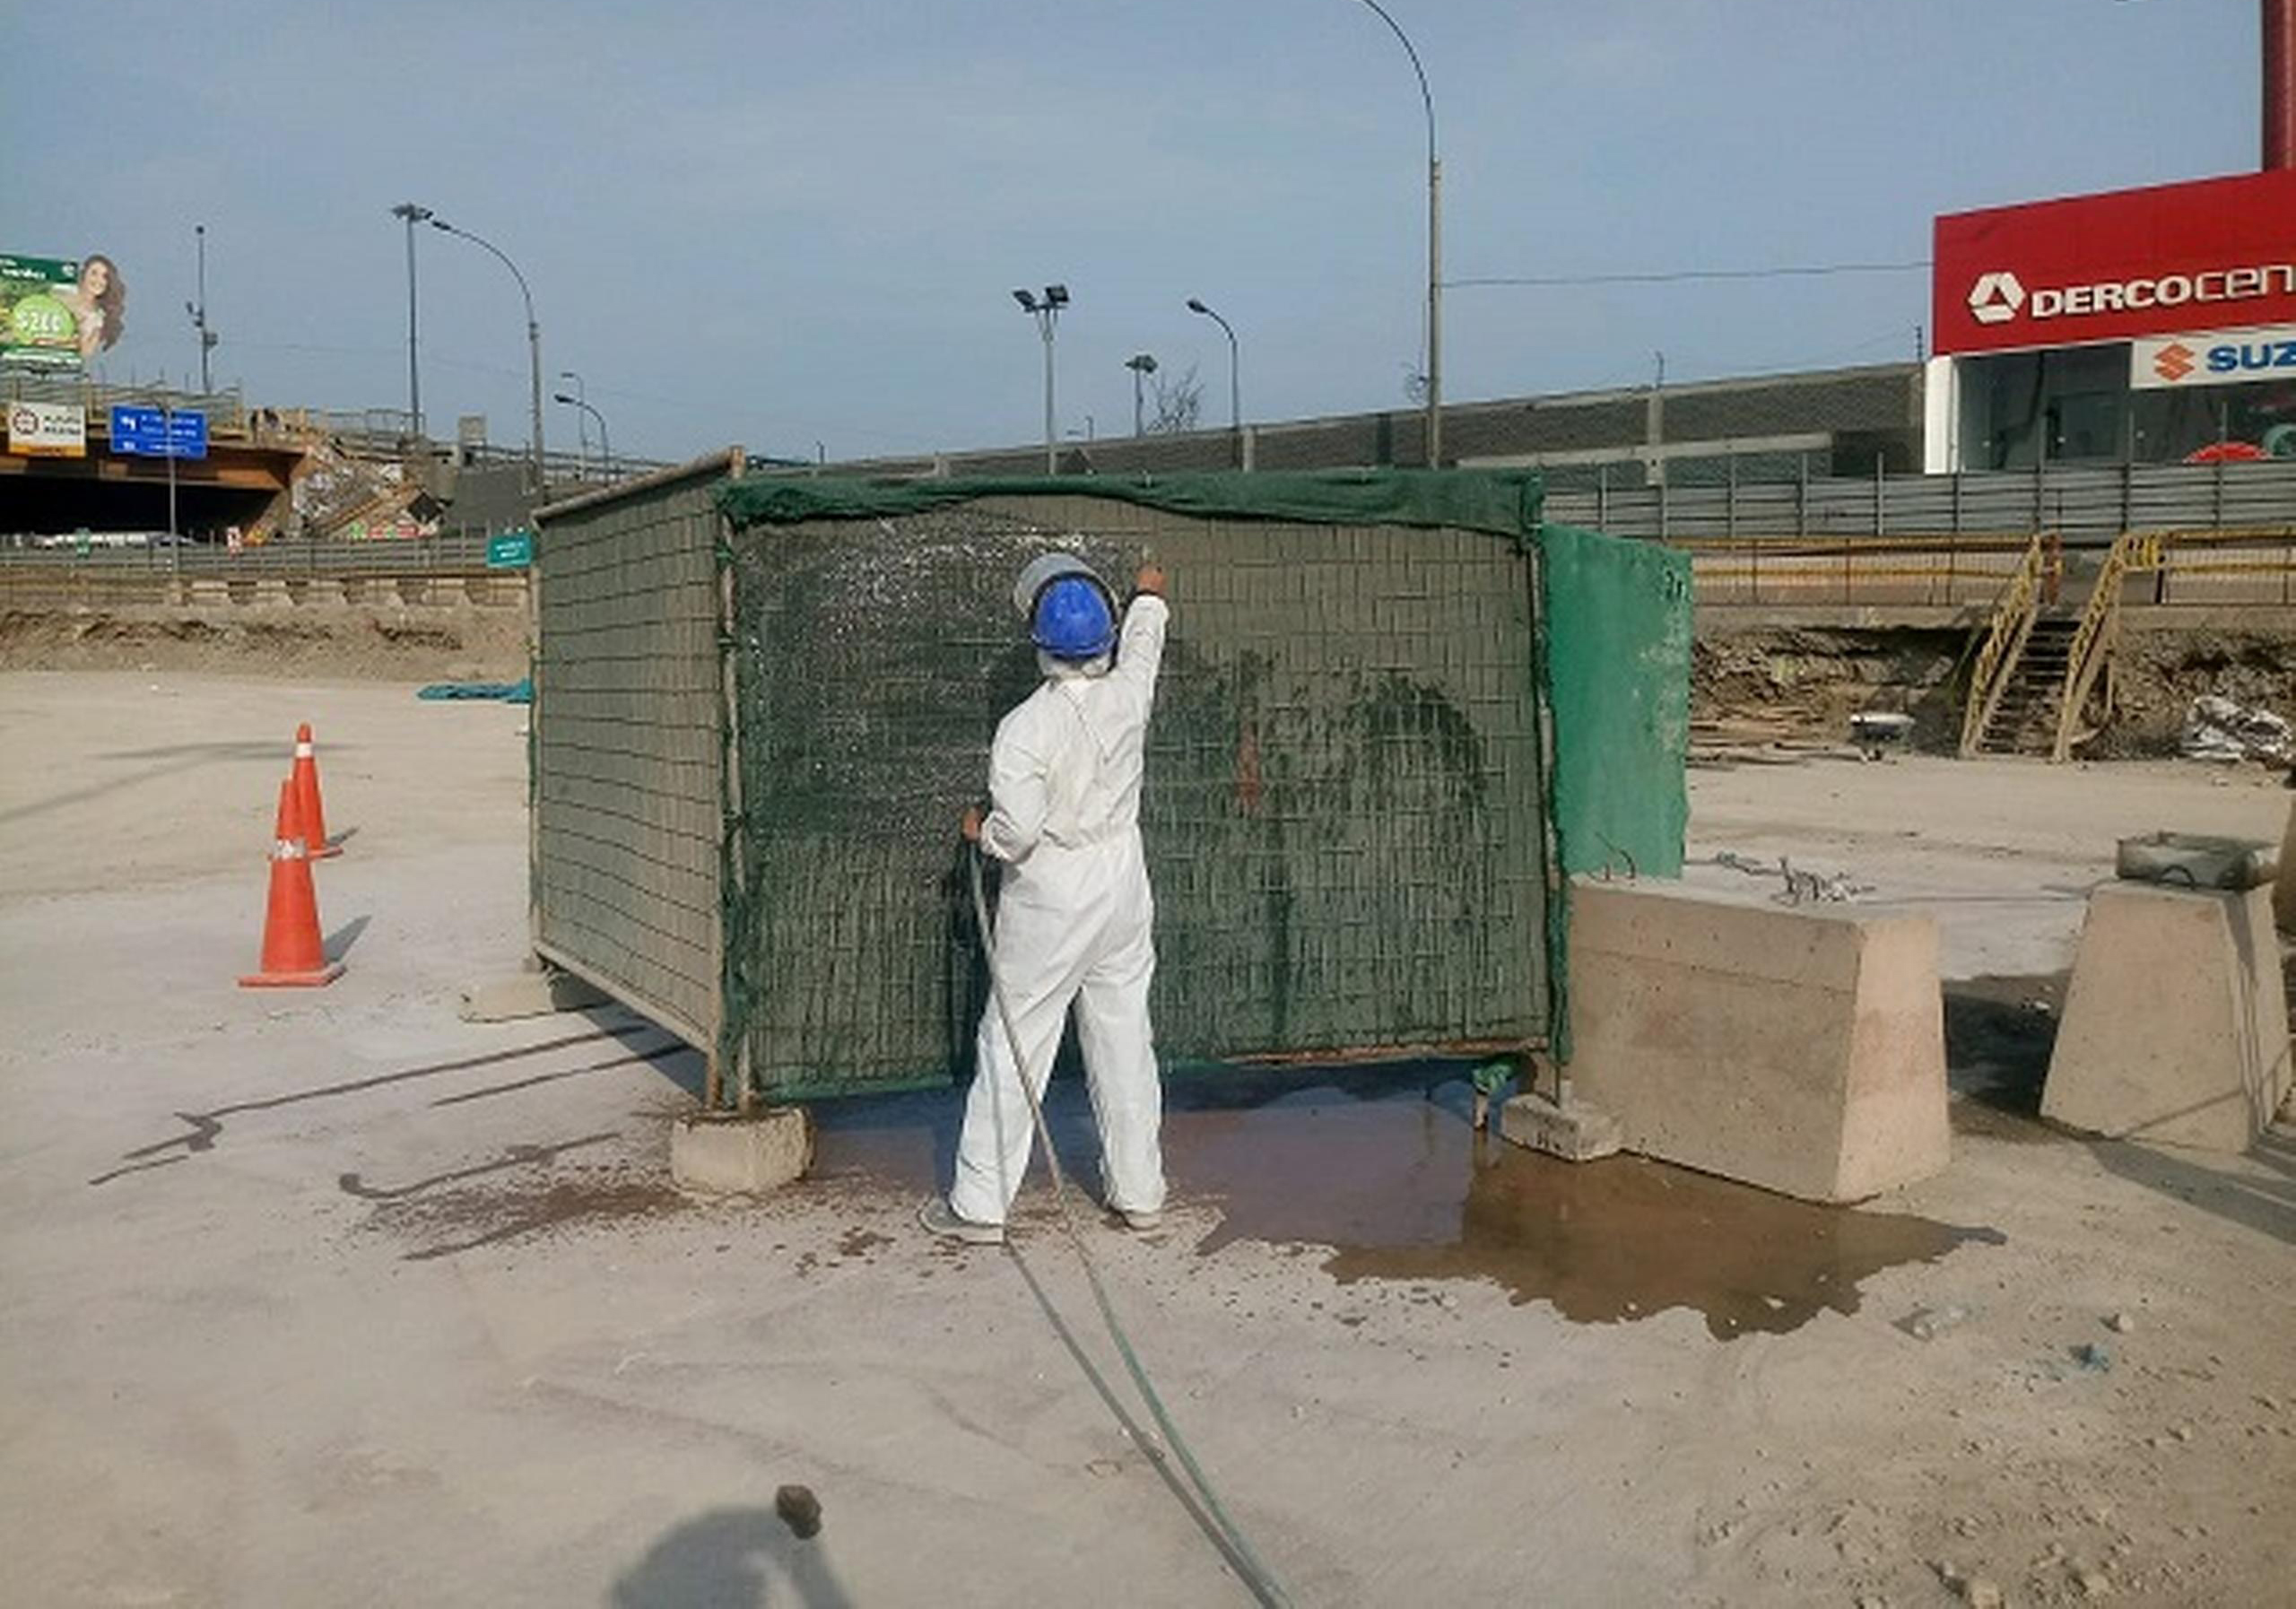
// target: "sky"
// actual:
[[797, 224]]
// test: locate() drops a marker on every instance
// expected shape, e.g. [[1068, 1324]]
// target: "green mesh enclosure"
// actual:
[[1343, 806]]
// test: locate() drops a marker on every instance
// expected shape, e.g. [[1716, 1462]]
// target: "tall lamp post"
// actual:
[[199, 311], [413, 215], [606, 442], [582, 420], [1434, 251], [1141, 364], [1046, 311], [534, 331], [1235, 393]]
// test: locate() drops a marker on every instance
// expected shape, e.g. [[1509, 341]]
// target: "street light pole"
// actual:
[[1434, 250], [1047, 313], [582, 420], [1235, 394], [199, 311], [533, 333], [605, 441], [413, 215], [1141, 364]]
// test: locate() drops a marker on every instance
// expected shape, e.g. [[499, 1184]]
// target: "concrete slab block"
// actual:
[[2176, 1024], [534, 994], [1799, 1049], [2283, 893], [1569, 1128], [723, 1154]]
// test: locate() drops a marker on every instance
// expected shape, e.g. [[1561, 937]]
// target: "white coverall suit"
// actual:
[[1072, 925]]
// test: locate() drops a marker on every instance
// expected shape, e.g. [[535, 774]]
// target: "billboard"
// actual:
[[47, 430], [2216, 252], [56, 313]]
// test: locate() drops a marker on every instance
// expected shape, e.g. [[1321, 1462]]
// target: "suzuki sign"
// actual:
[[2116, 266], [2219, 358]]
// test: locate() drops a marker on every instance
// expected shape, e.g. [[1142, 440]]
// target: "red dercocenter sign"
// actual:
[[2215, 254]]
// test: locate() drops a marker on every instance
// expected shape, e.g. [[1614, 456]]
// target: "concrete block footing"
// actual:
[[1802, 1050], [728, 1155], [535, 993], [1569, 1128], [2283, 894], [2176, 1023]]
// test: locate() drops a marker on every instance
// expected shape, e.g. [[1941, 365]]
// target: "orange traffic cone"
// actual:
[[294, 954], [306, 797]]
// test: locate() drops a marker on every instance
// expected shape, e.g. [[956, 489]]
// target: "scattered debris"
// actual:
[[2091, 1357], [800, 1510], [1802, 888], [2216, 728], [2120, 1324], [1927, 1324], [1977, 1591]]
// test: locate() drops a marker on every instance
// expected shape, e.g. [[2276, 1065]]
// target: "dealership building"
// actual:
[[2155, 326]]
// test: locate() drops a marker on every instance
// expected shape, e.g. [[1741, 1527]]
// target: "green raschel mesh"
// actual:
[[1343, 803], [1504, 503], [1618, 640], [1615, 631]]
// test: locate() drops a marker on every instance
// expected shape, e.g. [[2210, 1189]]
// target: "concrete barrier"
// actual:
[[1799, 1049], [720, 1154], [2283, 893], [2176, 1026]]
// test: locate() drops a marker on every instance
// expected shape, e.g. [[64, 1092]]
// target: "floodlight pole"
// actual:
[[1045, 307]]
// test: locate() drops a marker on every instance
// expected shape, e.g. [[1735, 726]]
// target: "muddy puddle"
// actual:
[[1384, 1169]]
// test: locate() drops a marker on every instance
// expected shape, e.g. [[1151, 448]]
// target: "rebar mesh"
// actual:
[[627, 799], [1343, 808]]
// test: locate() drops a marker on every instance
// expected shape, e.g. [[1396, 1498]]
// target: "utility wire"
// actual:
[[1685, 275]]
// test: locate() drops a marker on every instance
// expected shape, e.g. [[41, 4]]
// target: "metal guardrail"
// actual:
[[451, 554], [2247, 568], [2088, 507]]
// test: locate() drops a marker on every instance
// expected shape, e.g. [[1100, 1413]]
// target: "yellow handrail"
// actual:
[[2005, 631], [2094, 639]]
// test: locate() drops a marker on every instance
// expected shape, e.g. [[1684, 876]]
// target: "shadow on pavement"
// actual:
[[2265, 1204], [731, 1558]]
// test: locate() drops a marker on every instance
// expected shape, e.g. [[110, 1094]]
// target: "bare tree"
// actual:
[[1179, 403]]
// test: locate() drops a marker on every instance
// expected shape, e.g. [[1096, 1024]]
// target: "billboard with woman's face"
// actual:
[[56, 313]]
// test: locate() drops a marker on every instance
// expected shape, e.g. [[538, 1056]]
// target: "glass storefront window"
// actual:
[[2076, 407]]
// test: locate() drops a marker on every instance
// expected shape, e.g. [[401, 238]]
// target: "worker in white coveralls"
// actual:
[[1074, 921]]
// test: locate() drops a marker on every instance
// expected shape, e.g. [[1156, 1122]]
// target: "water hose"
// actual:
[[1256, 1575]]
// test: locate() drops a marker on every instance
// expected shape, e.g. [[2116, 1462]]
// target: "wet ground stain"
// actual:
[[1383, 1167], [2000, 1032], [457, 1217]]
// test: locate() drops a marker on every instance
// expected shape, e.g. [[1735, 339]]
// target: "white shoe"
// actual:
[[938, 1217], [1141, 1222]]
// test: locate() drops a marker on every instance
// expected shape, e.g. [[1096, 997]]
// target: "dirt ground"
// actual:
[[437, 642], [1805, 681], [333, 1298]]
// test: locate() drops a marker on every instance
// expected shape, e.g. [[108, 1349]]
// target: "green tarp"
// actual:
[[1503, 501]]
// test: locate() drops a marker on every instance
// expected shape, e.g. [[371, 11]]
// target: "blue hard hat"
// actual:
[[1072, 618]]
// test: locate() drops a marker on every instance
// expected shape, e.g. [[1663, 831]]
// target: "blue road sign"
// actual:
[[155, 433], [512, 549]]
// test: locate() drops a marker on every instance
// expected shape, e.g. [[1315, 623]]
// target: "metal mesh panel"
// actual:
[[1342, 806], [628, 752]]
